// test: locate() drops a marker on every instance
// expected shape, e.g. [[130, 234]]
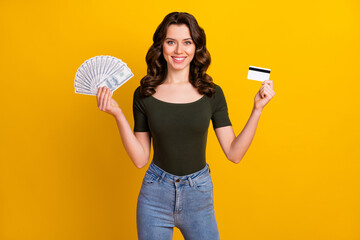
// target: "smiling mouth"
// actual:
[[178, 59]]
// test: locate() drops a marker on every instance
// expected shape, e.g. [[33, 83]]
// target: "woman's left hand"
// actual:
[[264, 95]]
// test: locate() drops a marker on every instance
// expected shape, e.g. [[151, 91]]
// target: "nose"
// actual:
[[178, 49]]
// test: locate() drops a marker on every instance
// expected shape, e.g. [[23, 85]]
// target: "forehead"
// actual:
[[178, 31]]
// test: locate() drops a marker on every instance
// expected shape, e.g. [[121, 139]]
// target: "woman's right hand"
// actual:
[[106, 103]]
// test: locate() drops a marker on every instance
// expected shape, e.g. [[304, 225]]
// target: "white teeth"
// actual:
[[179, 59]]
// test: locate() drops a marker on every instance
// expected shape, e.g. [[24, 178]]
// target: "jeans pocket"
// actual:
[[204, 184], [150, 177]]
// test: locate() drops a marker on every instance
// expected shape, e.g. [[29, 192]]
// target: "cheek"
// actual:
[[167, 50], [164, 52], [191, 51]]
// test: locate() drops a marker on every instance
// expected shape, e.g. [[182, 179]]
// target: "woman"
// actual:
[[173, 105]]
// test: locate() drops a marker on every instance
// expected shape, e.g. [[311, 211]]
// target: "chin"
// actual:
[[178, 67]]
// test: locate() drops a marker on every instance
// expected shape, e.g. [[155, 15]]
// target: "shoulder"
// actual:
[[218, 92], [139, 100], [137, 91], [218, 99], [137, 94]]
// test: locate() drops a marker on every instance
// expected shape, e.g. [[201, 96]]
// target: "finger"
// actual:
[[102, 98], [273, 92], [106, 90], [100, 92], [262, 91], [106, 99], [265, 92], [268, 93], [270, 90], [267, 82], [98, 96], [268, 86], [109, 98]]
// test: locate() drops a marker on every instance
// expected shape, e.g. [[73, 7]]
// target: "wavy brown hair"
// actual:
[[157, 65]]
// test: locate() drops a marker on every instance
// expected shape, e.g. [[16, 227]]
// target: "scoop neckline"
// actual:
[[198, 100]]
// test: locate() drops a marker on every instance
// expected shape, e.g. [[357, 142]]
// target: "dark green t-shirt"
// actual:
[[179, 130]]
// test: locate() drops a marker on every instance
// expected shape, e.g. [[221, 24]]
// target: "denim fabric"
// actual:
[[186, 202]]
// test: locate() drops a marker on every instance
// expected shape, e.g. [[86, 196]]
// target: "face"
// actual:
[[178, 47]]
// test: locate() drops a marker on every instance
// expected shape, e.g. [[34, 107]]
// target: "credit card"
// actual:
[[258, 73]]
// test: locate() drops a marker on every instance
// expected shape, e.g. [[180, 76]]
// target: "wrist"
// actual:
[[118, 114], [257, 110]]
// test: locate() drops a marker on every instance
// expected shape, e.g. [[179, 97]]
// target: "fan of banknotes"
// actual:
[[101, 71]]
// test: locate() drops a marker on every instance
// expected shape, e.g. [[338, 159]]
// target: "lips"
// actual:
[[178, 59]]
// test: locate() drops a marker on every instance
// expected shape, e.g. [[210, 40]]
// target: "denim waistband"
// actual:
[[165, 176]]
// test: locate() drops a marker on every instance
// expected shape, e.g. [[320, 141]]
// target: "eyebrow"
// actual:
[[174, 39]]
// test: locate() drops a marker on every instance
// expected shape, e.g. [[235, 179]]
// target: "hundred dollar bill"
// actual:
[[101, 71], [116, 80]]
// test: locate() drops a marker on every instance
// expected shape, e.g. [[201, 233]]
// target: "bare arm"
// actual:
[[236, 147], [136, 145]]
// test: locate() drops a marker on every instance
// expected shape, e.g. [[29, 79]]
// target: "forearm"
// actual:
[[131, 144], [241, 143]]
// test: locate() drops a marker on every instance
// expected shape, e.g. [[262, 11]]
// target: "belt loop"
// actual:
[[191, 182], [162, 177]]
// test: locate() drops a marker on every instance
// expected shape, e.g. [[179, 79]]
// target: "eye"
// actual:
[[188, 42], [170, 42]]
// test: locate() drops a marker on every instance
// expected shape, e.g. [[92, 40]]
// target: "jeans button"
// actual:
[[177, 180]]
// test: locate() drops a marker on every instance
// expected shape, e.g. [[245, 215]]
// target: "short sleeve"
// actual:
[[140, 118], [220, 116]]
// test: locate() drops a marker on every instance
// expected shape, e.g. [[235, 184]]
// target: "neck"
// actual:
[[177, 76]]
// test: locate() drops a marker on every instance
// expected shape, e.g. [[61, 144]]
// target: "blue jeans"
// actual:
[[186, 202]]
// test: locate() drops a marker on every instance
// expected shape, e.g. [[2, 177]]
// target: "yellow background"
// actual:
[[64, 173]]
